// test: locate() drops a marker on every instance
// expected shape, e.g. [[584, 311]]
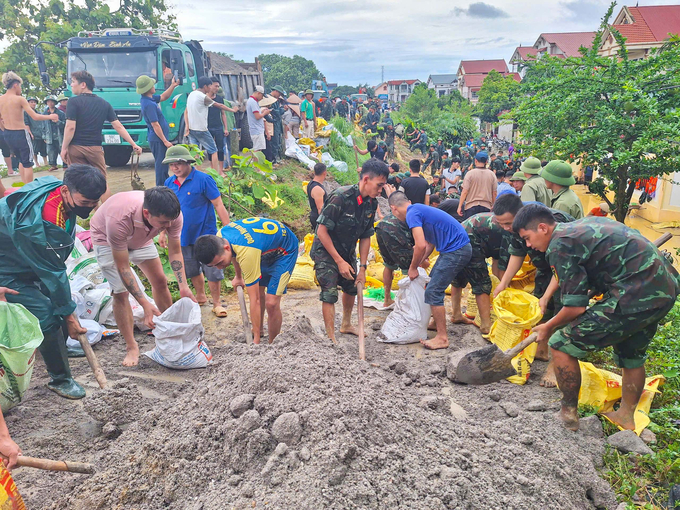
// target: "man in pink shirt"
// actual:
[[123, 229]]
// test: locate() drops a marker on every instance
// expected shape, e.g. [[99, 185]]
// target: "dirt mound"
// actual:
[[302, 424]]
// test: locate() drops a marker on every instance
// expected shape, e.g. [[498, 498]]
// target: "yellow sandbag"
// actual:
[[376, 249], [304, 186], [10, 498], [517, 313], [373, 283], [309, 239], [321, 122], [303, 274], [375, 271], [602, 389]]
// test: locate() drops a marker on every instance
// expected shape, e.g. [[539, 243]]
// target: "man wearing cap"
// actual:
[[63, 101], [433, 160], [53, 131], [372, 120], [277, 112], [558, 177], [534, 189], [196, 117], [256, 116], [199, 199], [517, 181], [601, 210], [308, 115], [479, 188], [157, 126], [291, 116]]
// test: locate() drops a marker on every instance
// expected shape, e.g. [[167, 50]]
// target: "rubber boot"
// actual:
[[53, 351]]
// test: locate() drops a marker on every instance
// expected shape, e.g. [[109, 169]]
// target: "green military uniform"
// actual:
[[342, 109], [422, 143], [432, 160], [277, 145], [559, 172], [497, 164], [395, 242], [465, 160], [348, 217], [568, 201], [440, 149], [639, 285], [37, 128], [435, 189], [53, 133], [488, 239], [327, 109], [535, 190]]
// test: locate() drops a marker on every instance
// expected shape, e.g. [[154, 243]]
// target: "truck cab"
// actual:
[[116, 58]]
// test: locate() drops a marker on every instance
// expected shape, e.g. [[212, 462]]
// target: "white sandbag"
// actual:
[[95, 300], [85, 266], [407, 323], [94, 333], [179, 337], [80, 284], [295, 151]]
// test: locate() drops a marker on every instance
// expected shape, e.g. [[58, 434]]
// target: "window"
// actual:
[[474, 94], [166, 68], [190, 63], [114, 68], [442, 93]]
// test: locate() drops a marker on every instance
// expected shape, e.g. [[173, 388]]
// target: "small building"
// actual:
[[399, 90], [381, 91], [560, 45], [442, 84], [520, 55], [644, 28], [472, 73]]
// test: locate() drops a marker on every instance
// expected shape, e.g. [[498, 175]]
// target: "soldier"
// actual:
[[440, 148], [435, 187], [465, 160], [422, 142], [35, 129], [517, 250], [388, 130], [517, 181], [558, 177], [433, 160], [415, 140], [372, 120], [327, 109], [639, 285], [343, 108], [277, 112], [496, 163], [488, 240], [534, 189], [53, 131], [395, 243], [347, 217]]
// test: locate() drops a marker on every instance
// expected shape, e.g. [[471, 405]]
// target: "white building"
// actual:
[[399, 90], [442, 84]]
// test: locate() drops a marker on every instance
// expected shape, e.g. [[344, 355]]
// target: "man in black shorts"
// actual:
[[395, 243]]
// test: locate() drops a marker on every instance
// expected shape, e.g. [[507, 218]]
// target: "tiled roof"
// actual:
[[524, 52], [443, 79], [570, 42], [399, 82], [476, 80], [651, 24], [483, 66]]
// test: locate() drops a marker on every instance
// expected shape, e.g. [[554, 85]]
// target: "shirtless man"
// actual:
[[12, 108]]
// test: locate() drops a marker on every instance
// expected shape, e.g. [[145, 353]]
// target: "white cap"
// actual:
[[259, 88]]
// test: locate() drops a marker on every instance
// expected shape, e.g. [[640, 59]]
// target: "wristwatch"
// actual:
[[365, 266]]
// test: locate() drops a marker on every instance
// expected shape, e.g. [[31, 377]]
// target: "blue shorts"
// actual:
[[20, 143], [276, 273], [203, 139], [443, 273]]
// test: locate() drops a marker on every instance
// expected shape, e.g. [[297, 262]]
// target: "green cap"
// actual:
[[309, 91], [531, 166], [51, 97], [558, 172], [29, 99], [145, 84], [178, 154], [61, 97], [279, 88], [518, 176]]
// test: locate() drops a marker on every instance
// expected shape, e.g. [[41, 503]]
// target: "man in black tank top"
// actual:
[[316, 193]]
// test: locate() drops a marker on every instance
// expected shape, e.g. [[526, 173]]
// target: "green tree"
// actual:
[[292, 73], [345, 90], [422, 105], [617, 114], [498, 94], [25, 22]]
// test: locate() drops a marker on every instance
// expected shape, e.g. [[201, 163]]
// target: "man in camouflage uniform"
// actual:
[[343, 108], [387, 132], [465, 159], [327, 109], [440, 148], [488, 240], [639, 285], [277, 111], [433, 161], [395, 242], [422, 142], [347, 217], [496, 163], [372, 120]]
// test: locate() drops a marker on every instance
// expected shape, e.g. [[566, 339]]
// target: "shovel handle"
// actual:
[[93, 361], [244, 315], [55, 465], [511, 353], [360, 315], [663, 239]]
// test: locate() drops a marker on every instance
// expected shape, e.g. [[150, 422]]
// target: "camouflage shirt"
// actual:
[[434, 158], [487, 237], [348, 217], [610, 258]]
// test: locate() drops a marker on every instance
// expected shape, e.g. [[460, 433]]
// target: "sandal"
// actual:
[[220, 311]]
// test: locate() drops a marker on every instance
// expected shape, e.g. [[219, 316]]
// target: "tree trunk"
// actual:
[[624, 192]]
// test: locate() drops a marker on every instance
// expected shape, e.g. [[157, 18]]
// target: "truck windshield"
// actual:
[[114, 68]]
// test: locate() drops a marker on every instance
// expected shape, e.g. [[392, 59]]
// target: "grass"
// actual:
[[645, 481]]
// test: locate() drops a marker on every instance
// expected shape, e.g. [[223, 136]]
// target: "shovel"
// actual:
[[244, 315], [360, 315], [92, 360], [55, 465]]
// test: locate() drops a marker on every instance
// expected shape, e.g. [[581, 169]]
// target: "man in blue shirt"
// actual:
[[199, 198], [156, 124], [432, 228], [503, 186]]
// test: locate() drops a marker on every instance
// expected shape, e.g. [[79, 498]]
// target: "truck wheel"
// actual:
[[117, 155], [242, 123]]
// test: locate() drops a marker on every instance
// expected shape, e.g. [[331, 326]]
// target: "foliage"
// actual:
[[453, 99], [25, 22], [422, 105], [340, 150], [345, 90], [498, 94], [615, 113], [292, 73]]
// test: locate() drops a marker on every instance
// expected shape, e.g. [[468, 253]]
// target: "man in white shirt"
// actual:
[[196, 117], [256, 117], [451, 176]]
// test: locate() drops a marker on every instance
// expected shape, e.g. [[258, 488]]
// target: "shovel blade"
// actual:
[[484, 366]]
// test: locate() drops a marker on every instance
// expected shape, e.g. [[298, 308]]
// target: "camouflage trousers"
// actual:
[[329, 278], [395, 243], [629, 334], [476, 273]]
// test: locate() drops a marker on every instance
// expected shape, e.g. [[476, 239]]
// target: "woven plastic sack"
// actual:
[[303, 276], [20, 336], [375, 271], [10, 499], [517, 313], [602, 389]]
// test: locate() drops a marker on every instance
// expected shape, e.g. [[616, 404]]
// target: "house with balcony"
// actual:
[[442, 84], [399, 90]]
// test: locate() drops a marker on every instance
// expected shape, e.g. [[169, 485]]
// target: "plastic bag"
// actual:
[[95, 332], [294, 151], [179, 337], [10, 499], [20, 336], [407, 323], [517, 313]]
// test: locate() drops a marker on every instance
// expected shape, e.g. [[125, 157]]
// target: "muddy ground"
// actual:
[[392, 432]]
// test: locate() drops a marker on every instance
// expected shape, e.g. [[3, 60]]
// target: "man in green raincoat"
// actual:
[[37, 229]]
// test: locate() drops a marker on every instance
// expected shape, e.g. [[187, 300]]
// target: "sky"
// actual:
[[349, 40]]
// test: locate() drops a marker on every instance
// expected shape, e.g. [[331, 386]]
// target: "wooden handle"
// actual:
[[663, 239], [93, 361], [356, 156], [244, 315], [511, 353], [360, 315], [55, 465]]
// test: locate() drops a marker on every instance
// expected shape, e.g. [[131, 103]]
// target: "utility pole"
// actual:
[[382, 75]]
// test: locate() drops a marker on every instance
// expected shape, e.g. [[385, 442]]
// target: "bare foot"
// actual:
[[484, 331], [201, 299], [432, 326], [461, 319], [349, 330], [569, 417], [132, 357], [388, 302], [438, 342], [542, 352], [624, 421], [549, 380]]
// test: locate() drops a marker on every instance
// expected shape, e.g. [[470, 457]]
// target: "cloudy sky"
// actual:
[[349, 40]]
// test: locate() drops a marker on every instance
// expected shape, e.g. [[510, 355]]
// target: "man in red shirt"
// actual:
[[601, 210]]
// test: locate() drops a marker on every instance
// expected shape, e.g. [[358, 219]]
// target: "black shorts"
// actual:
[[20, 143], [4, 148]]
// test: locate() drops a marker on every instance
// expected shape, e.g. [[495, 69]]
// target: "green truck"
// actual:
[[117, 57]]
